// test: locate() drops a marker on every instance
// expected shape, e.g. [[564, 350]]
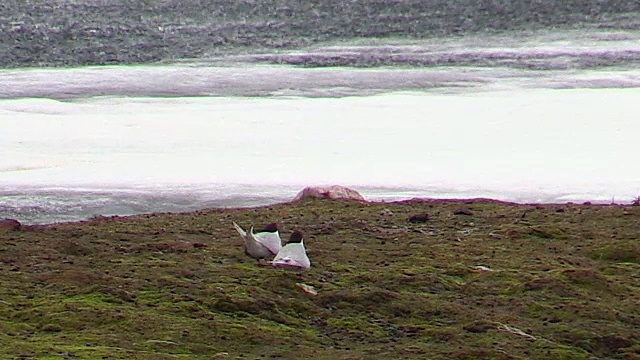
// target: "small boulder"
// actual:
[[463, 211], [331, 192], [10, 224], [419, 218], [479, 326], [615, 342]]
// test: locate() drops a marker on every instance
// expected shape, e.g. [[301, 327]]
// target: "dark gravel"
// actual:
[[62, 33]]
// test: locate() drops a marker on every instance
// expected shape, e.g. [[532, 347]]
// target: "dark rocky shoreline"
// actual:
[[92, 32]]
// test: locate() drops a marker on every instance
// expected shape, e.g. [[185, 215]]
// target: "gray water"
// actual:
[[523, 59]]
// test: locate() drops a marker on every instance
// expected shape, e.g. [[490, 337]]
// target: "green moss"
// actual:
[[567, 353], [387, 288], [623, 251]]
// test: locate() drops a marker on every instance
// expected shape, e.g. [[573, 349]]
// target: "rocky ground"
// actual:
[[412, 280], [68, 32]]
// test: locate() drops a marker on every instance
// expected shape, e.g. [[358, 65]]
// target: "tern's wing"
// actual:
[[255, 248], [270, 240], [292, 255]]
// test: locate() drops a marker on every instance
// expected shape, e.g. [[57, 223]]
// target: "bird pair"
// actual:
[[266, 243]]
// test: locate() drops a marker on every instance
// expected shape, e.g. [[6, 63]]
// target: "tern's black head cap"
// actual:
[[296, 237], [271, 227]]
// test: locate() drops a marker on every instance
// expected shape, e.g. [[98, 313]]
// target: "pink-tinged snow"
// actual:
[[524, 145]]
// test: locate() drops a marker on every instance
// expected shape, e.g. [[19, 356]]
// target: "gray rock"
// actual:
[[331, 192], [10, 224]]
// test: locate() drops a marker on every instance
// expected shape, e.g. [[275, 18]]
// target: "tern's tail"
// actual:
[[239, 230]]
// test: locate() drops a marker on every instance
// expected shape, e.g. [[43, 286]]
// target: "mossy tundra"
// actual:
[[478, 279]]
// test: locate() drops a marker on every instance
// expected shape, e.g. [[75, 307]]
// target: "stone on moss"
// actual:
[[330, 192], [10, 224]]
